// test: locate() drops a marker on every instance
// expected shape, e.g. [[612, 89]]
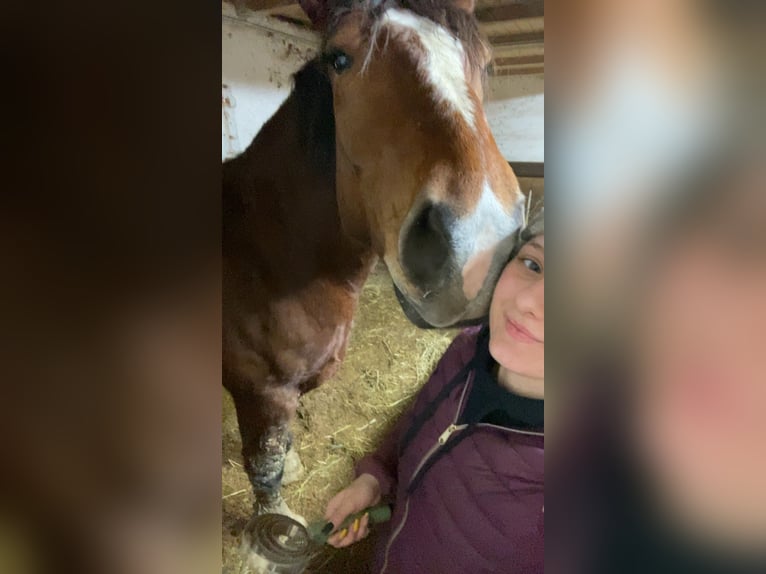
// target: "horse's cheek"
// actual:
[[351, 210]]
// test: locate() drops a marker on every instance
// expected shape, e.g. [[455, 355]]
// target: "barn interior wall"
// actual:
[[257, 64], [515, 109]]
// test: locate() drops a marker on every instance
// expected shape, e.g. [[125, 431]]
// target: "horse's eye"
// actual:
[[340, 61]]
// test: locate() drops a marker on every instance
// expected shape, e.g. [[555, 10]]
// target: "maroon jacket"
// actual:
[[462, 504]]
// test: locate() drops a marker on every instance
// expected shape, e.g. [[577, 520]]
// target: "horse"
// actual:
[[381, 151]]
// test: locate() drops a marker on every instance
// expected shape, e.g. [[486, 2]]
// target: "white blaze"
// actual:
[[442, 65]]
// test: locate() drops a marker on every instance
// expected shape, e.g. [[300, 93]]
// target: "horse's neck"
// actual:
[[285, 208]]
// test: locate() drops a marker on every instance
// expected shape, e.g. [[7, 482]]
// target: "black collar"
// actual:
[[489, 402]]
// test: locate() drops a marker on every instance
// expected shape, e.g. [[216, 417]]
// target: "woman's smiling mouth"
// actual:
[[516, 331]]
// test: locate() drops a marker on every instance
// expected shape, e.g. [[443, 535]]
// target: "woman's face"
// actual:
[[517, 313], [701, 405]]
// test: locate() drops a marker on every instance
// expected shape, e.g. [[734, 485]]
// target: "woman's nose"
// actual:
[[531, 300]]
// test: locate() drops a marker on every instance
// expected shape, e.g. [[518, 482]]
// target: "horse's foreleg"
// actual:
[[264, 426]]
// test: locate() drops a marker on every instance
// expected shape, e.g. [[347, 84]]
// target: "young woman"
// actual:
[[464, 468]]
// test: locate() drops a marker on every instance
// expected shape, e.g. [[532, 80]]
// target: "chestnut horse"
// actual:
[[382, 150]]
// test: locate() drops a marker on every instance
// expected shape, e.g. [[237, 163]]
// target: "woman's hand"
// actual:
[[363, 492]]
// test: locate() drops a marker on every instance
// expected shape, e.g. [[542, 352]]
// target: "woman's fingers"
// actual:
[[360, 527], [337, 538], [349, 538], [338, 517], [352, 499], [341, 505], [364, 526], [335, 504], [355, 531], [342, 538]]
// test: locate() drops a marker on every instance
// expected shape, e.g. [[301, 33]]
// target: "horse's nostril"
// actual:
[[426, 248]]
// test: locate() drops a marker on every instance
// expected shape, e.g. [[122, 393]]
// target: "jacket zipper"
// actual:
[[442, 440], [439, 442]]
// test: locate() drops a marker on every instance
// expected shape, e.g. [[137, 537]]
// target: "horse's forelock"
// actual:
[[461, 24]]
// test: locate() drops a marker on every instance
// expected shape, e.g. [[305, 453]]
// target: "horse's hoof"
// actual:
[[279, 507], [294, 470]]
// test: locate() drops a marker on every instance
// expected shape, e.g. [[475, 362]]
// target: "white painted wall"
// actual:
[[256, 67], [257, 62], [515, 109]]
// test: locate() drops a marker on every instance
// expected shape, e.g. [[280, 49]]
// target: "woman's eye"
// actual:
[[532, 265], [340, 61]]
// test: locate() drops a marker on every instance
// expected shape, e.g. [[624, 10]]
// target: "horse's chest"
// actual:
[[315, 332], [302, 338]]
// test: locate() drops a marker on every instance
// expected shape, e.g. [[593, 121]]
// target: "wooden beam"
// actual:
[[513, 11], [517, 71], [519, 60], [261, 5], [299, 22], [528, 168], [489, 3], [510, 51], [521, 38]]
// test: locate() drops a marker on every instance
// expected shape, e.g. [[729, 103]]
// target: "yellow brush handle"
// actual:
[[320, 531]]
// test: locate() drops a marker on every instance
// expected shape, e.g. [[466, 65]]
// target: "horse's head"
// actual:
[[419, 176]]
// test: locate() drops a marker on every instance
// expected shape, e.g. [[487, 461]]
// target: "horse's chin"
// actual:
[[417, 319], [410, 312]]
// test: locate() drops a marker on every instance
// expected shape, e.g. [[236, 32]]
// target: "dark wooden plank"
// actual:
[[261, 5], [528, 168], [517, 71], [519, 60], [513, 11], [520, 38]]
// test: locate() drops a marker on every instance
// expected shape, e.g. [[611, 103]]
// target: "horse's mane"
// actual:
[[312, 85], [316, 118]]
